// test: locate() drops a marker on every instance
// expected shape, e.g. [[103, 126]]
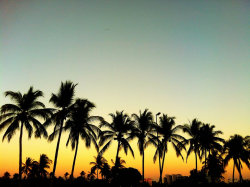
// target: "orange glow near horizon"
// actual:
[[33, 149]]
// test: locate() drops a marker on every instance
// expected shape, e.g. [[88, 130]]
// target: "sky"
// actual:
[[188, 59]]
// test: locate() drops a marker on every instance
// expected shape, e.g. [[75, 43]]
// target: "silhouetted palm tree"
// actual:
[[193, 130], [120, 126], [44, 164], [215, 166], [79, 126], [105, 171], [167, 133], [34, 172], [119, 163], [209, 140], [23, 113], [98, 164], [27, 166], [237, 148], [63, 101], [143, 124]]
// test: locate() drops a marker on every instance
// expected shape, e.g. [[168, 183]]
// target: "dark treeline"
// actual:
[[73, 115]]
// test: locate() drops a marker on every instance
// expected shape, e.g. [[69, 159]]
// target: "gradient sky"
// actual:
[[189, 59]]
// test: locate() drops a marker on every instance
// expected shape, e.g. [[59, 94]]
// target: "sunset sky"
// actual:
[[188, 59]]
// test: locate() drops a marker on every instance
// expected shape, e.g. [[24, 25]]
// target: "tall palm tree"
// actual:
[[44, 164], [167, 133], [63, 101], [98, 164], [143, 124], [209, 140], [79, 126], [193, 130], [118, 129], [23, 113], [237, 148]]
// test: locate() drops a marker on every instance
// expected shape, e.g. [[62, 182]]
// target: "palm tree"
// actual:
[[119, 164], [118, 129], [193, 130], [63, 101], [215, 166], [34, 172], [98, 164], [23, 113], [209, 140], [105, 171], [167, 133], [143, 124], [27, 166], [44, 164], [237, 148], [79, 125]]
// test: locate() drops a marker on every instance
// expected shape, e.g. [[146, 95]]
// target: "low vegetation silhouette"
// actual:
[[73, 116]]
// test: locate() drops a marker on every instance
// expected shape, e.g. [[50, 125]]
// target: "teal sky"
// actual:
[[184, 58]]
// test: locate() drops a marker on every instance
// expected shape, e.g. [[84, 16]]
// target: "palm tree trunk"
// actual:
[[241, 179], [196, 164], [57, 149], [233, 172], [143, 165], [159, 158], [117, 153], [20, 152], [74, 161], [163, 159]]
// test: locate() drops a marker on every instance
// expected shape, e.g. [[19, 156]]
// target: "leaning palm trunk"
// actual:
[[20, 152], [57, 149], [74, 161]]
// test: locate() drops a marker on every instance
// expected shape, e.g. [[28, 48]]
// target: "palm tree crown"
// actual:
[[118, 129], [209, 140]]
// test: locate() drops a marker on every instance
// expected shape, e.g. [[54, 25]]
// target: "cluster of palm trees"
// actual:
[[36, 169], [73, 115]]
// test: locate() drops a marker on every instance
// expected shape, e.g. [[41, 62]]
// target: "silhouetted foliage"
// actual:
[[118, 130], [63, 101], [237, 149], [23, 113]]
